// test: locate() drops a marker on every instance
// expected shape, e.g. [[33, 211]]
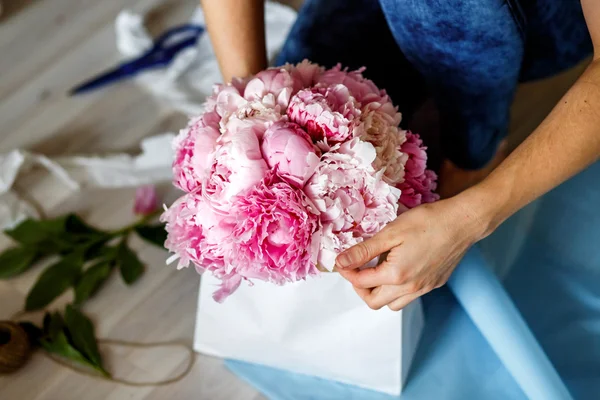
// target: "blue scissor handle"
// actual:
[[167, 45], [164, 49]]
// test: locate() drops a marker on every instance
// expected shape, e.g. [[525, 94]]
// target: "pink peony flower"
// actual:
[[305, 75], [361, 88], [237, 166], [146, 200], [282, 82], [210, 104], [333, 243], [255, 115], [328, 114], [285, 170], [240, 83], [195, 234], [275, 81], [288, 148], [419, 183], [351, 196], [276, 235], [228, 100], [186, 236], [381, 130], [193, 147]]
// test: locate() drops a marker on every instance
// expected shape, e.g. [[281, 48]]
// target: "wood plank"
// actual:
[[35, 113]]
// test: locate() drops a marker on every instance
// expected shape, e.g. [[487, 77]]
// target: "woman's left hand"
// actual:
[[425, 244]]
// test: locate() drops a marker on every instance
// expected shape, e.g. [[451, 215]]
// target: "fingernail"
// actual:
[[342, 261]]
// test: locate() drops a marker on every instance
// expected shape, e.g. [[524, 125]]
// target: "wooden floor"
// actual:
[[47, 46]]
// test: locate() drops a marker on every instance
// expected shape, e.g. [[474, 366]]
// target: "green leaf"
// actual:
[[31, 232], [56, 339], [34, 333], [100, 251], [91, 280], [77, 233], [76, 226], [60, 345], [54, 281], [46, 323], [81, 331], [45, 236], [154, 234], [53, 325], [58, 235], [15, 261], [129, 264]]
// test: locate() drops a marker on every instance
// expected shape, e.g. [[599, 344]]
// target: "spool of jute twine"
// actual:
[[15, 348]]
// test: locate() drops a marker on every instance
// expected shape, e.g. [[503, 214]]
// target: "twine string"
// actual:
[[117, 342]]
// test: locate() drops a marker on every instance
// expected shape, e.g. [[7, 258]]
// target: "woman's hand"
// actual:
[[425, 244]]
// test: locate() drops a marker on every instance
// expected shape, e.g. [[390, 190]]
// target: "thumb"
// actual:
[[361, 253]]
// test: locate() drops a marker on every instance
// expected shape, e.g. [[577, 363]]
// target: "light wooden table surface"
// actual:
[[46, 47]]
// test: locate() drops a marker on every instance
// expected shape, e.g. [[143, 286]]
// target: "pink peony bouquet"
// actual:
[[286, 169]]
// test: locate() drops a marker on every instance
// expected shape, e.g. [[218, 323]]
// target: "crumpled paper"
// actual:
[[152, 165], [189, 79]]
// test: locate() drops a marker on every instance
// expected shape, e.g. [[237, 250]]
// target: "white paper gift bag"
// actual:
[[318, 327]]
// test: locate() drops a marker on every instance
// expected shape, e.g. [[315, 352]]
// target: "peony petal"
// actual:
[[228, 286], [327, 258]]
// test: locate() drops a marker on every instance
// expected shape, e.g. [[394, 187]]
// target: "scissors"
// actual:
[[163, 51]]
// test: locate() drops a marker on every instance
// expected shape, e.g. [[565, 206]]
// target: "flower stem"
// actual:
[[141, 221]]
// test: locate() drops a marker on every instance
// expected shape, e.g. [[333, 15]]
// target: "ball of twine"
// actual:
[[14, 347]]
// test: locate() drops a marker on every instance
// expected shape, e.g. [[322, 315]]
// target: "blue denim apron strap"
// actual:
[[518, 15], [557, 37]]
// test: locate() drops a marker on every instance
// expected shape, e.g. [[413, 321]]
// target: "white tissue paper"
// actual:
[[189, 79], [152, 165]]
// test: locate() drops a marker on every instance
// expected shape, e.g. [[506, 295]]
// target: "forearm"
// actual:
[[564, 144], [237, 32]]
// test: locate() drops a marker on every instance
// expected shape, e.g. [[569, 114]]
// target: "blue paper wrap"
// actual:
[[548, 256]]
